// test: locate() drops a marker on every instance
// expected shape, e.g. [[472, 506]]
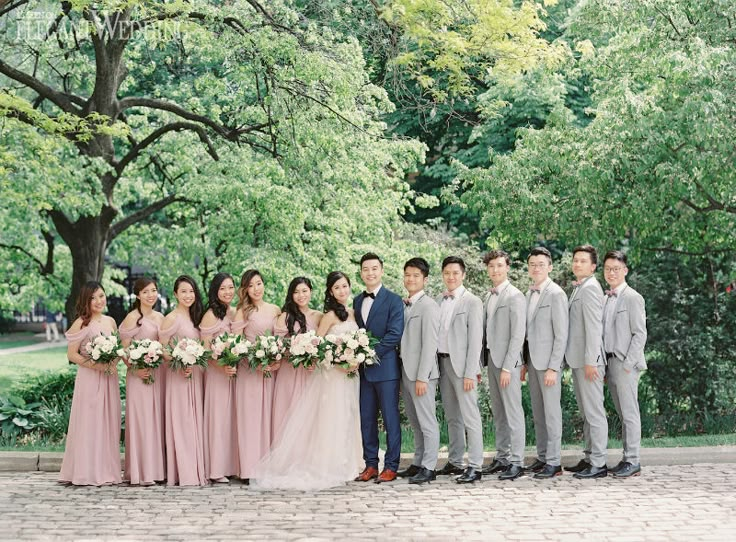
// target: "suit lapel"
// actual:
[[501, 297], [377, 302], [542, 295]]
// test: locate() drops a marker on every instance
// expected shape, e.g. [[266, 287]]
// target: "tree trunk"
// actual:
[[87, 241]]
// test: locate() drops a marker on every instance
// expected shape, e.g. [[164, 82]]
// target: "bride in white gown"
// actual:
[[320, 445]]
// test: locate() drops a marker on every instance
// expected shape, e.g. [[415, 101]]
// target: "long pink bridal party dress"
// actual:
[[289, 383], [92, 453], [184, 416], [220, 436], [253, 399], [144, 416]]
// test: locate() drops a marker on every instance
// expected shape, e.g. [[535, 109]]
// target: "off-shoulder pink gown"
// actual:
[[253, 400], [288, 383], [184, 416], [145, 438], [92, 453], [220, 437]]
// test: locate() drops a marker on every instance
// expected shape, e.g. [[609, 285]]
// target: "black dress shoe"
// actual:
[[408, 473], [449, 468], [549, 471], [512, 473], [423, 476], [617, 468], [470, 475], [628, 470], [581, 466], [495, 467], [592, 472], [536, 466]]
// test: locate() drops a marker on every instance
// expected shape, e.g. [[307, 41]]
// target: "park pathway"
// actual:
[[667, 503], [33, 347]]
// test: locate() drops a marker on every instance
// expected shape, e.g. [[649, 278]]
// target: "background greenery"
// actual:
[[294, 135]]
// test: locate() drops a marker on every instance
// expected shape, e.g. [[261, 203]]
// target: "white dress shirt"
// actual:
[[534, 298], [365, 308], [447, 309], [609, 313]]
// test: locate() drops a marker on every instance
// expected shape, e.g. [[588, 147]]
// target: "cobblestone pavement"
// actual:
[[695, 502]]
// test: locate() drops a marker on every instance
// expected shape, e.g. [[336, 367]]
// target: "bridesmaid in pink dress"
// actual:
[[144, 403], [184, 396], [289, 382], [253, 392], [220, 437], [92, 453]]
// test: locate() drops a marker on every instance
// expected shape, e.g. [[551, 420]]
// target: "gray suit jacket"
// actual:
[[419, 341], [546, 328], [584, 338], [630, 329], [465, 336], [505, 328]]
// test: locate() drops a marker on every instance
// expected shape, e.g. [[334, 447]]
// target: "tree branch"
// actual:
[[123, 224], [58, 98], [231, 134], [11, 7], [713, 204], [687, 252], [44, 269], [157, 134]]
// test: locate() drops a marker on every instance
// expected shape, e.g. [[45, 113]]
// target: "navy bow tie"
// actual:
[[369, 294], [407, 302], [533, 290]]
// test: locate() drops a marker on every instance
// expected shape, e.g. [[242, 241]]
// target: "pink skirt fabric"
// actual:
[[92, 453], [184, 429], [288, 387], [221, 442], [254, 399], [145, 439]]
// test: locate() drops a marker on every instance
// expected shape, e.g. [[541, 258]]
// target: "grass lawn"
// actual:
[[15, 366], [15, 340]]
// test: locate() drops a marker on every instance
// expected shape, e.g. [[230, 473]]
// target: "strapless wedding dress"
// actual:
[[320, 445]]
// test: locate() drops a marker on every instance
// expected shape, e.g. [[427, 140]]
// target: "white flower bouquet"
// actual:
[[348, 350], [267, 350], [229, 349], [304, 349], [104, 348], [188, 353], [144, 354]]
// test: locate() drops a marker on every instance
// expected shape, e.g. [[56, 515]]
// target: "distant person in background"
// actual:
[[51, 326]]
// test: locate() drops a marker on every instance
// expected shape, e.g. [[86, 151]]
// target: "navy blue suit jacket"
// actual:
[[385, 322]]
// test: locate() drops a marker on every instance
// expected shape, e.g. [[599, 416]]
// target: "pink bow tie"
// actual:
[[448, 295], [577, 283], [611, 293], [494, 291]]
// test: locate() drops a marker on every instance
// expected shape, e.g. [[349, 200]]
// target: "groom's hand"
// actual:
[[468, 384], [420, 388]]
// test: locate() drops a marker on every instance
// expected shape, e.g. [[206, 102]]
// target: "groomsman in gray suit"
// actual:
[[458, 352], [419, 371], [504, 323], [585, 356], [546, 335], [624, 337]]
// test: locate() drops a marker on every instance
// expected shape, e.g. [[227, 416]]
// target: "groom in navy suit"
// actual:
[[381, 312]]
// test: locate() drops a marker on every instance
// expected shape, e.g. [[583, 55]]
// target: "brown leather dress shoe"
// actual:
[[369, 473], [387, 475]]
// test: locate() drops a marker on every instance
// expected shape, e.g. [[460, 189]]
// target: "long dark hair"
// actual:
[[219, 309], [332, 304], [293, 313], [244, 301], [196, 311], [83, 309], [138, 287]]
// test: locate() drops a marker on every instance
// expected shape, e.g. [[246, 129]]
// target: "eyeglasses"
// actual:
[[537, 265], [613, 269]]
